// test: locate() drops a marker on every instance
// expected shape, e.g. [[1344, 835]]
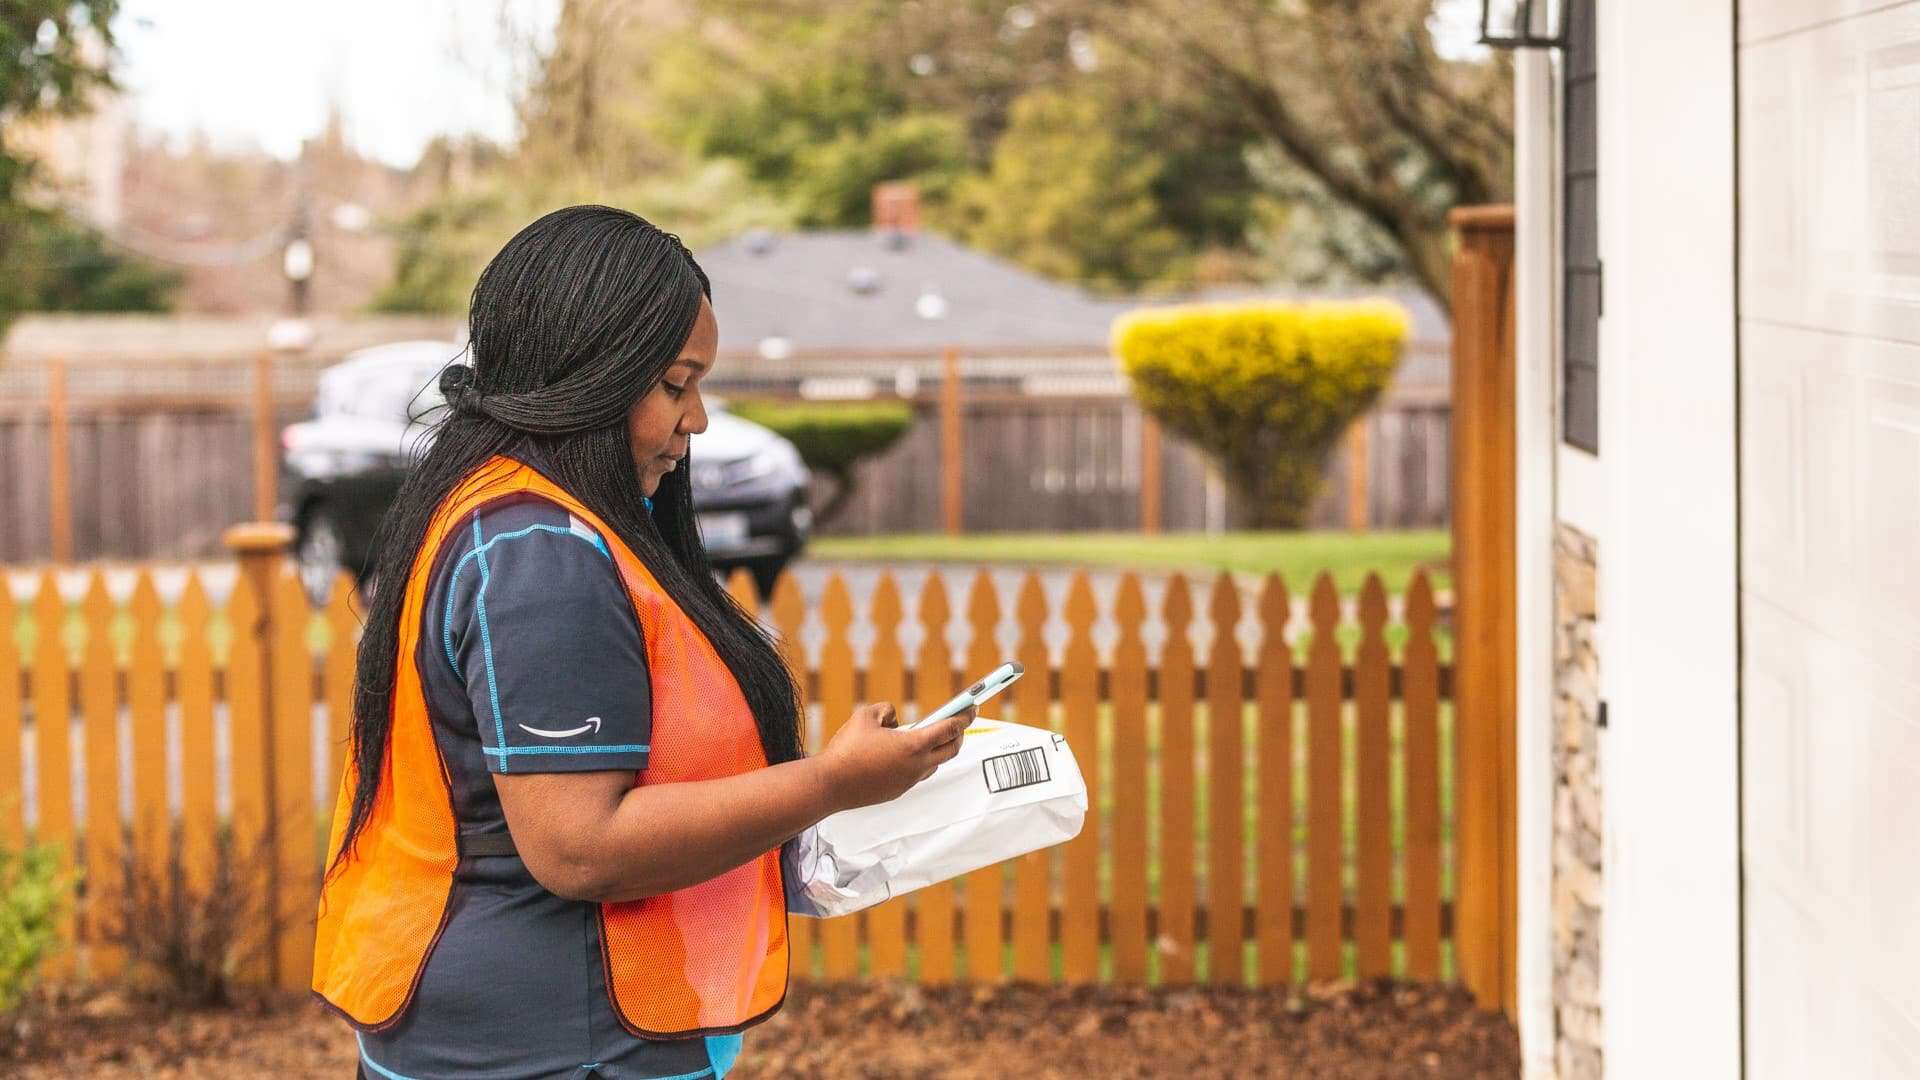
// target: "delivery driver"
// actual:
[[574, 759]]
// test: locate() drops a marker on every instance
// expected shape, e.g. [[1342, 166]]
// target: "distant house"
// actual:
[[897, 288]]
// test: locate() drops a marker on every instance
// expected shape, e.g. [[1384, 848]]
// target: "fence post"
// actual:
[[259, 546], [59, 463], [1483, 554], [951, 512], [1359, 474], [266, 456], [1149, 474]]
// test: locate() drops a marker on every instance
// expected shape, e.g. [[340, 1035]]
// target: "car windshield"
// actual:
[[394, 392]]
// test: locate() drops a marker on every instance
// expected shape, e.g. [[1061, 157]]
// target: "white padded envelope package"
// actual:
[[1010, 790]]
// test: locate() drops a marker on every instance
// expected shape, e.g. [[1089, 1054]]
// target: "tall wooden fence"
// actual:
[[1268, 814], [105, 460]]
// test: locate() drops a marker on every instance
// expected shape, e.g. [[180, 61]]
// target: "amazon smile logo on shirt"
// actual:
[[592, 724]]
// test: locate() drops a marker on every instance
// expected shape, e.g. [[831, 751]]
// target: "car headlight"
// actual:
[[777, 459]]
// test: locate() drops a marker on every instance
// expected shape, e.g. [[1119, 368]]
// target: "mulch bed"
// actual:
[[1370, 1030]]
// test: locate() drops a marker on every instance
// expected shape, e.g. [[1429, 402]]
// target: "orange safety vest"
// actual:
[[708, 959]]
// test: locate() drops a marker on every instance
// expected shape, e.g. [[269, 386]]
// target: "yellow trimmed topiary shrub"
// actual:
[[1265, 387]]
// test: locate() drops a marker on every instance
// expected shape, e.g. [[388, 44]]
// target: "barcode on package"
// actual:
[[1022, 768]]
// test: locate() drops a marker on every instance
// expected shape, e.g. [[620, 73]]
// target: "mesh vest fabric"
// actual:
[[707, 959]]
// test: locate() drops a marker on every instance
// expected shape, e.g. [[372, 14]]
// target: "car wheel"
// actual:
[[320, 555]]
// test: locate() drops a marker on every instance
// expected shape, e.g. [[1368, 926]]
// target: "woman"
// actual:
[[556, 848]]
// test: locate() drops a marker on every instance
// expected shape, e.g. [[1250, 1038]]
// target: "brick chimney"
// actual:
[[896, 206]]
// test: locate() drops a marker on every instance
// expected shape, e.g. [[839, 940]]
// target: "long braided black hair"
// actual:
[[575, 320]]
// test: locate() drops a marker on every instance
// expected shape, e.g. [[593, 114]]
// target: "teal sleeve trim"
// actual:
[[479, 552], [722, 1052], [508, 751]]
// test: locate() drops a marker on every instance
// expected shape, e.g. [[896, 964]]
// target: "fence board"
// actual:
[[1420, 690], [53, 743], [1176, 899], [1325, 834], [1273, 690], [1032, 872], [789, 618], [199, 849], [147, 707], [1373, 895], [1129, 789], [1079, 685], [101, 727], [887, 681], [839, 937], [251, 854], [1226, 836], [986, 888], [297, 887], [934, 905]]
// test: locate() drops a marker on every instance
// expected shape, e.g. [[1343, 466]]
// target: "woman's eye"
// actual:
[[673, 390]]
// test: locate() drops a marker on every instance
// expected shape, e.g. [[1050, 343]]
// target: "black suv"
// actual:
[[341, 469]]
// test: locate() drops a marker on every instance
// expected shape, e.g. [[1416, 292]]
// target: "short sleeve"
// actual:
[[540, 633]]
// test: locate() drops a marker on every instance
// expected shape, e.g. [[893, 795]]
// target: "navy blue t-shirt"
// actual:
[[531, 660]]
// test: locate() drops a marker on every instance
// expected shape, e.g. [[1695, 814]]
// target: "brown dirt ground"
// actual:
[[1370, 1030]]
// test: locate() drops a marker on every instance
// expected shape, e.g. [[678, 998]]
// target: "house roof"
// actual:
[[857, 289]]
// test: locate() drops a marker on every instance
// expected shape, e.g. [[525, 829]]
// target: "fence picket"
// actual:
[[1373, 818], [887, 681], [1325, 835], [1226, 764], [199, 844], [147, 706], [297, 888], [933, 680], [839, 937], [251, 856], [101, 725], [987, 887], [1032, 872], [1420, 690], [789, 618], [1079, 695], [1128, 856], [1273, 690], [53, 744], [1176, 900]]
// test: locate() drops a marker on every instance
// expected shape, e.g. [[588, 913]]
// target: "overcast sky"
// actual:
[[262, 72]]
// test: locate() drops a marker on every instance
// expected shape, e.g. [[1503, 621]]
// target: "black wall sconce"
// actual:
[[1523, 24]]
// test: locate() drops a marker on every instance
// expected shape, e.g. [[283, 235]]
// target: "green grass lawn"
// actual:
[[1297, 556]]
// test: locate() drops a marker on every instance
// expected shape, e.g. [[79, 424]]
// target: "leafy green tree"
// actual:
[[55, 264], [53, 55], [1067, 197]]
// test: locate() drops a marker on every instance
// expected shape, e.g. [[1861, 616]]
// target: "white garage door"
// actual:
[[1830, 525]]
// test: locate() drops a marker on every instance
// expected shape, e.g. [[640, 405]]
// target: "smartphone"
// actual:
[[997, 680]]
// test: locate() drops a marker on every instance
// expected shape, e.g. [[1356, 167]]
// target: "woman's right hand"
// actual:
[[871, 761]]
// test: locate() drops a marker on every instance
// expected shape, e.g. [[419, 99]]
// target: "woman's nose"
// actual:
[[694, 421]]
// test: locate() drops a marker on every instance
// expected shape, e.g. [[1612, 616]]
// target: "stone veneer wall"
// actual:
[[1576, 808]]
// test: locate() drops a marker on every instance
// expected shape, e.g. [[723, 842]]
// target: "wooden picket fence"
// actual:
[[1308, 837]]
